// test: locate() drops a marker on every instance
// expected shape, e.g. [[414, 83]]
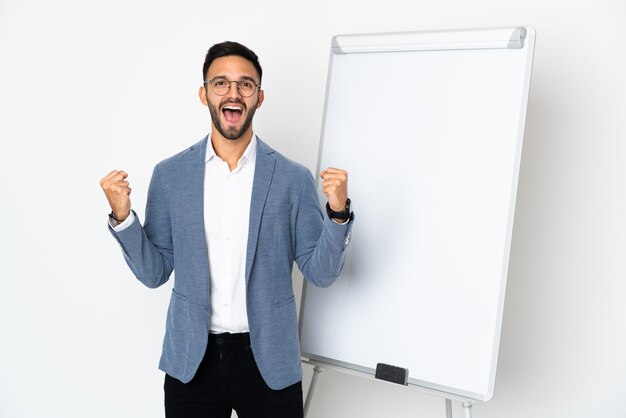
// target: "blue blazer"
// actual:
[[286, 224]]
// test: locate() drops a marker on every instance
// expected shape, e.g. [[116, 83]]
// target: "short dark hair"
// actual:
[[227, 48]]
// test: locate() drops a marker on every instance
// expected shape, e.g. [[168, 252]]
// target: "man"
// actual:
[[230, 215]]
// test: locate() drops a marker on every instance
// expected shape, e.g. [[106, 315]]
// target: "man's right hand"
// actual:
[[117, 191]]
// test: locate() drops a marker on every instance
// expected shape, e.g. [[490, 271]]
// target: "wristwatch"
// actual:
[[344, 215]]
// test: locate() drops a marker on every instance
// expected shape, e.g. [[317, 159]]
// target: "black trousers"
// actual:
[[227, 379]]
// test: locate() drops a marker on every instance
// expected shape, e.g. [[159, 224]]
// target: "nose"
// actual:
[[233, 91]]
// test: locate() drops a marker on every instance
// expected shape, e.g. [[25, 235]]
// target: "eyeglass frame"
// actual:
[[257, 87]]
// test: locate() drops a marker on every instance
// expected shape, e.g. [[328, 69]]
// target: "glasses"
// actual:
[[221, 86]]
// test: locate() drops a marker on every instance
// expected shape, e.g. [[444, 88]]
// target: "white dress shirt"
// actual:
[[227, 196]]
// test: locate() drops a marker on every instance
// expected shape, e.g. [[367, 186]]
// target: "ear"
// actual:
[[202, 95], [260, 99]]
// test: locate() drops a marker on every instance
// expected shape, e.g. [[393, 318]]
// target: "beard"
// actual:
[[232, 132]]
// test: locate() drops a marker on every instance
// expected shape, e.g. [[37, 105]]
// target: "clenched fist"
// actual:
[[117, 191], [335, 187]]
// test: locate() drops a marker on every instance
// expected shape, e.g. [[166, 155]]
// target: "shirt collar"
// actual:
[[248, 155]]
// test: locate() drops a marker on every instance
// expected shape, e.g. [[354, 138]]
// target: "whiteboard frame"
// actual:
[[518, 37]]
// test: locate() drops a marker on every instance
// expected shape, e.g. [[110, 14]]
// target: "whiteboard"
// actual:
[[429, 126]]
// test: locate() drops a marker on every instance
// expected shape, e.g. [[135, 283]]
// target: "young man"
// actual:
[[230, 215]]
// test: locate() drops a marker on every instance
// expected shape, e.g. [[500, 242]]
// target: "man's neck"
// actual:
[[230, 150]]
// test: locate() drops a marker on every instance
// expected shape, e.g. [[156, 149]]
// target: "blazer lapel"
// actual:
[[263, 172], [192, 210], [192, 186]]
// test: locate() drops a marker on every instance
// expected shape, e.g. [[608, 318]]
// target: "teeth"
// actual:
[[232, 107]]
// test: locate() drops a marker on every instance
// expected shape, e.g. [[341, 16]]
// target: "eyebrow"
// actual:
[[245, 77]]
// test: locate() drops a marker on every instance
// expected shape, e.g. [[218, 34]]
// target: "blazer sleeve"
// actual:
[[321, 243], [148, 250]]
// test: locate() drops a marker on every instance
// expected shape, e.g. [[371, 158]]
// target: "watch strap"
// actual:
[[343, 215]]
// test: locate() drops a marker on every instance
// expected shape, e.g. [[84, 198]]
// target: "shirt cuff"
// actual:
[[120, 226]]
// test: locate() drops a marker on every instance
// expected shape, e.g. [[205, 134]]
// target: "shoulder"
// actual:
[[284, 165], [289, 181], [174, 163]]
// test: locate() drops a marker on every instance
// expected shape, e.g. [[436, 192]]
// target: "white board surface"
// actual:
[[429, 126]]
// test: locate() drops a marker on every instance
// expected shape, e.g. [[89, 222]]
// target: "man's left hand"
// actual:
[[335, 187]]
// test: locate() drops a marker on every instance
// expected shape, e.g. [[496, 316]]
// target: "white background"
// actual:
[[86, 87]]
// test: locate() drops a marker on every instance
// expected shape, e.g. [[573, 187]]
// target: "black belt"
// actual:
[[226, 339]]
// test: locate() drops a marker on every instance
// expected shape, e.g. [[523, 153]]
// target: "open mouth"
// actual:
[[232, 112]]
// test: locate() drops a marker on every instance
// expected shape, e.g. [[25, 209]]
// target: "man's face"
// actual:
[[231, 113]]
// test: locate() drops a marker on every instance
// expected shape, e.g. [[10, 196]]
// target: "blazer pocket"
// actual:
[[176, 340], [177, 294], [281, 303]]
